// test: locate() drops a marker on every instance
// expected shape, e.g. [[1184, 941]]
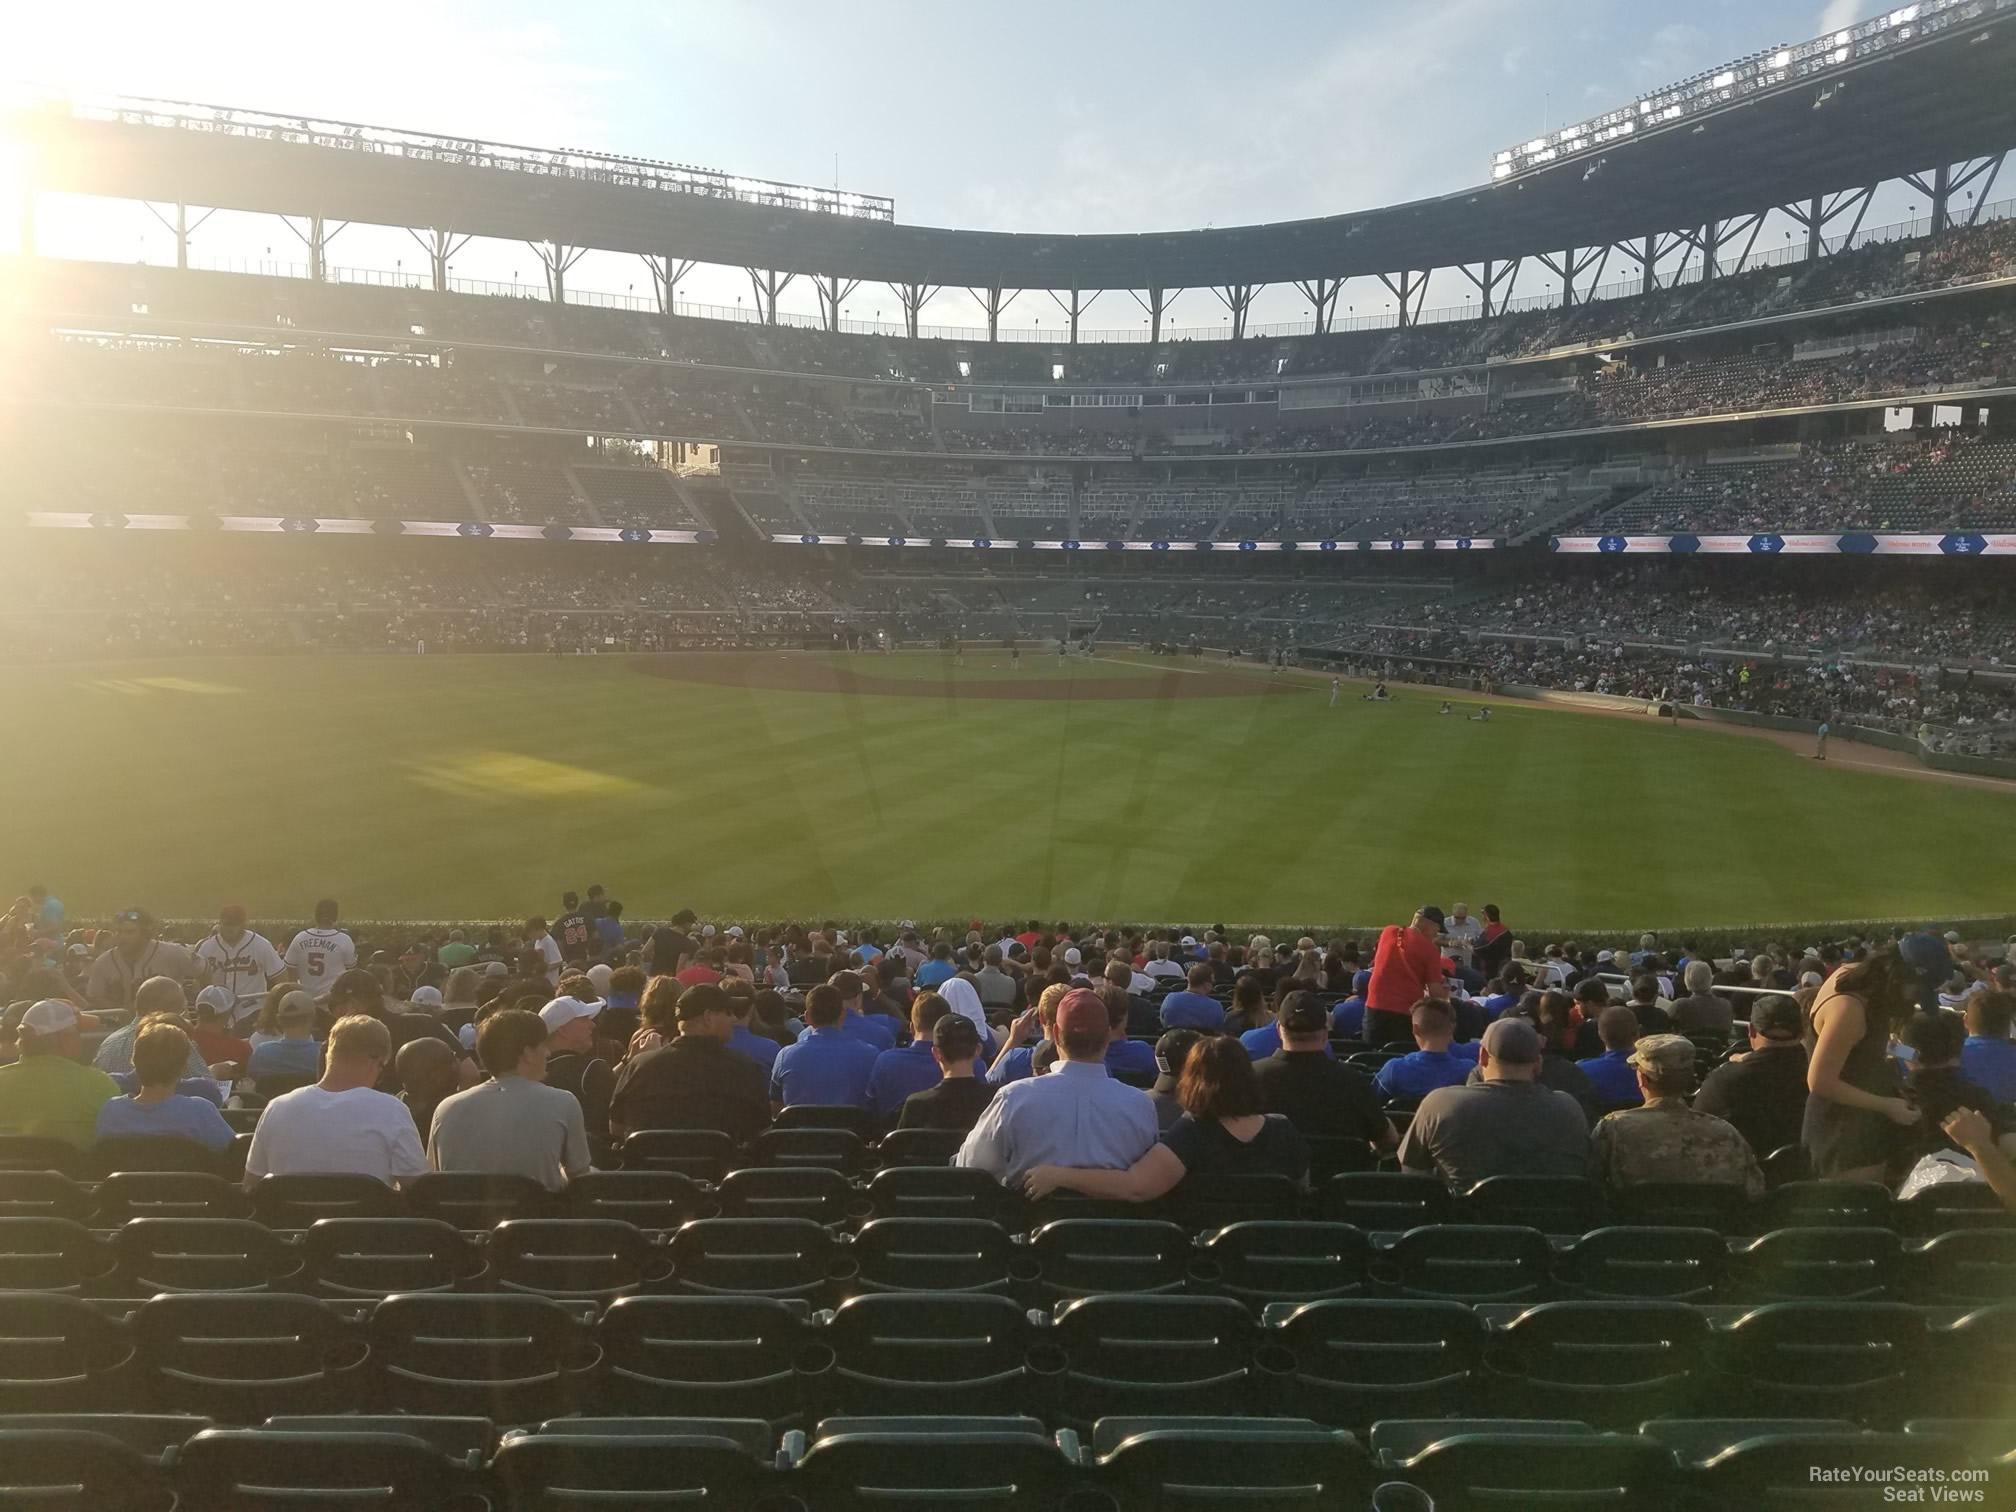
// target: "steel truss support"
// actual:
[[1648, 250], [912, 297], [1238, 299], [1571, 265], [1322, 295], [831, 292], [1410, 288], [994, 299], [1947, 180], [667, 273], [1489, 275], [1157, 305], [557, 258], [181, 226], [315, 234], [1717, 234], [768, 284], [1078, 304], [1819, 212], [439, 246]]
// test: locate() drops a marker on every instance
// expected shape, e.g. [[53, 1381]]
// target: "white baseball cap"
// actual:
[[50, 1016], [735, 930], [707, 931], [599, 974], [216, 998], [563, 1011], [1189, 939], [426, 997], [1072, 957]]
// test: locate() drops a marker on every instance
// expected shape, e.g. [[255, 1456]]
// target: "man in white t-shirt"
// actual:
[[1462, 934], [320, 954], [341, 1123], [539, 939], [1160, 966], [240, 961]]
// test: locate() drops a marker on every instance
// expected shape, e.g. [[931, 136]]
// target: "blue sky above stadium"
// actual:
[[1044, 116]]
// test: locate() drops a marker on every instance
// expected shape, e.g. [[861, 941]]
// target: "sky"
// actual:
[[1040, 116]]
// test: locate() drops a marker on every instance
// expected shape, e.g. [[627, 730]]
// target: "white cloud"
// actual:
[[1838, 14]]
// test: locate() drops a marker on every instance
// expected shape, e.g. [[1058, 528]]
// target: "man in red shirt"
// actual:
[[1406, 969]]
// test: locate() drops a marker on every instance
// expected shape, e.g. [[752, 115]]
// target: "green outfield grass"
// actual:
[[479, 787]]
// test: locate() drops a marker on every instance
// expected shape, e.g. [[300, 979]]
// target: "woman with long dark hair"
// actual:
[[1857, 1121]]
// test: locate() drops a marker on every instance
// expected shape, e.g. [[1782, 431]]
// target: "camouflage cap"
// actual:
[[1664, 1052]]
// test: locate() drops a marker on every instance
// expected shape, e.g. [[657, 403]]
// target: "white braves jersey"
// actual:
[[244, 970], [319, 956]]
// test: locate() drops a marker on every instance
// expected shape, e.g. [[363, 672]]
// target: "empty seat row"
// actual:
[[519, 1359], [858, 1464], [664, 1199], [1255, 1262]]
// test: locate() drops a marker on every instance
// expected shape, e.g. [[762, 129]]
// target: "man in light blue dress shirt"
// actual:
[[1073, 1115]]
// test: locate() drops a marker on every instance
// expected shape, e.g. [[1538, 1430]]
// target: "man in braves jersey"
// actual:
[[572, 929], [320, 954], [239, 960]]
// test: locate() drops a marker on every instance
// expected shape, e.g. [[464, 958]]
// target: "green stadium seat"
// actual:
[[167, 1194], [1821, 1262], [784, 1258], [1551, 1204], [938, 1255], [69, 1470], [297, 1200], [1859, 1360], [917, 1147], [1133, 1355], [1719, 1205], [1677, 1264], [703, 1154], [241, 1358], [1352, 1362], [510, 1358], [51, 1255], [1969, 1267], [566, 1471], [477, 1200], [375, 1257], [841, 1150], [58, 1353], [1466, 1262], [1610, 1363], [1147, 1464], [818, 1193], [261, 1470], [648, 1199], [43, 1194], [943, 1192], [1847, 1204], [899, 1465], [931, 1353], [1489, 1469], [1283, 1261], [577, 1259], [752, 1357], [1081, 1257], [1377, 1201], [201, 1255]]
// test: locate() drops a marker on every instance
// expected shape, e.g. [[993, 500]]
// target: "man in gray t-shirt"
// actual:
[[513, 1124], [1507, 1125]]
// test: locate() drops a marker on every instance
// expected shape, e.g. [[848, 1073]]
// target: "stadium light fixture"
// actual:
[[1760, 73]]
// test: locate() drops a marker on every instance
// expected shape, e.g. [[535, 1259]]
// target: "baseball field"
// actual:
[[789, 785]]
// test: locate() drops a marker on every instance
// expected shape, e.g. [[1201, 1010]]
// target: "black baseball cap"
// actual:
[[1303, 1013], [1777, 1018], [1433, 914], [1172, 1049]]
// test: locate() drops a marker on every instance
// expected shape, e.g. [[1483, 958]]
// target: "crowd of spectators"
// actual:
[[1958, 256], [1114, 1062], [1915, 621]]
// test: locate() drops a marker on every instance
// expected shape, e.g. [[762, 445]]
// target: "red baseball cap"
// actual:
[[1081, 1010]]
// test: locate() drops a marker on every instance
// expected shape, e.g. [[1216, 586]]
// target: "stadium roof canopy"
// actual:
[[1903, 98]]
